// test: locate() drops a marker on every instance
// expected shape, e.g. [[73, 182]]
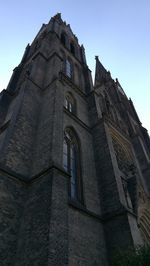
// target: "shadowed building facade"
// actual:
[[74, 159]]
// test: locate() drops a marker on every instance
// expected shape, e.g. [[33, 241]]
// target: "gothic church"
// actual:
[[74, 159]]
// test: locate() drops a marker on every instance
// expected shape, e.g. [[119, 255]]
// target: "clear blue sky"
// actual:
[[116, 30]]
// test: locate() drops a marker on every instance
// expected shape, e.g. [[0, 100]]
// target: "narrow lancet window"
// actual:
[[71, 163]]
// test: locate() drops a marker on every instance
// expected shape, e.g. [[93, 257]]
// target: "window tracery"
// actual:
[[71, 163], [144, 225], [127, 170], [123, 155], [70, 103]]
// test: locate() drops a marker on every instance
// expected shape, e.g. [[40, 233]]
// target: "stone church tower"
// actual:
[[75, 159]]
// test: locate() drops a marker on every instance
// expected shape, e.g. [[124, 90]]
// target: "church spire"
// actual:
[[101, 74]]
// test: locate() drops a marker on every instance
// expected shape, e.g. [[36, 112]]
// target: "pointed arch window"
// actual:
[[71, 163]]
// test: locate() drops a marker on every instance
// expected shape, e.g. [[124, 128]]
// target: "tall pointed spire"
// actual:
[[101, 74]]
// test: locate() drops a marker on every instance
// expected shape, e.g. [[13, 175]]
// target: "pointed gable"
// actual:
[[101, 74]]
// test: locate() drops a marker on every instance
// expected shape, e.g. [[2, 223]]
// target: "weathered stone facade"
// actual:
[[74, 206]]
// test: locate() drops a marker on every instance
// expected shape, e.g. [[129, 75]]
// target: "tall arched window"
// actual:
[[71, 163]]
